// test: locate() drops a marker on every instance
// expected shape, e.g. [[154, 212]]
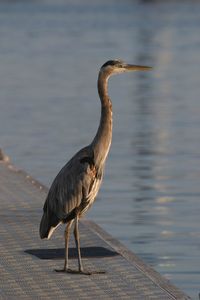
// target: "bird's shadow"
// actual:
[[59, 253]]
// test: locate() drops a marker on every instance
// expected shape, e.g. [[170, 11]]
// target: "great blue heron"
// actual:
[[76, 186]]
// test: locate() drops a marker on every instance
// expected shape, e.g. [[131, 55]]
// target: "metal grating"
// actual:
[[27, 264]]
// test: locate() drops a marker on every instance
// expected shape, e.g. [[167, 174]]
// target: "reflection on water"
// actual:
[[50, 54]]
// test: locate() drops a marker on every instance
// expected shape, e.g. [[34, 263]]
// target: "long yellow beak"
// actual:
[[136, 68]]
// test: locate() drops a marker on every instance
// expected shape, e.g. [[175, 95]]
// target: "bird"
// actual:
[[76, 186]]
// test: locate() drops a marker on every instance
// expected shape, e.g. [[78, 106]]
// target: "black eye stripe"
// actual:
[[109, 63], [112, 63]]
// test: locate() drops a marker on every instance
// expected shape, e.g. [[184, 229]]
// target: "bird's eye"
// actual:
[[120, 65]]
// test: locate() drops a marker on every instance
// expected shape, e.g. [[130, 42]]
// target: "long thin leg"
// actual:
[[77, 241], [67, 235]]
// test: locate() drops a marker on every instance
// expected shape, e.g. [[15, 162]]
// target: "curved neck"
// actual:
[[102, 85], [102, 141]]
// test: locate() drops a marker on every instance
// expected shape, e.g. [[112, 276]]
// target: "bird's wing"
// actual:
[[71, 186]]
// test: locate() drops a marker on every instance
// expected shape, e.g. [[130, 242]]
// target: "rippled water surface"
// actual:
[[50, 54]]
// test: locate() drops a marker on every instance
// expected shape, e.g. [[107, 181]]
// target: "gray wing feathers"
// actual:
[[69, 188]]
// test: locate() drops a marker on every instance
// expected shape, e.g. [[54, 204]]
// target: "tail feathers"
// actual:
[[47, 225]]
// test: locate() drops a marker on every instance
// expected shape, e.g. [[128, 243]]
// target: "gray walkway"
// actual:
[[27, 264]]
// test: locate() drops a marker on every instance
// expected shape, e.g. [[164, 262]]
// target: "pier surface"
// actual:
[[27, 263]]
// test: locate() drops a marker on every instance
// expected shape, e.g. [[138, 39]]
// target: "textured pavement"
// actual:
[[27, 263]]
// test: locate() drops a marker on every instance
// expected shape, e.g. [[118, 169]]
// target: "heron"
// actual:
[[76, 186]]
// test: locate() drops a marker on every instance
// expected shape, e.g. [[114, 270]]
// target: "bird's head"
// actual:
[[118, 66]]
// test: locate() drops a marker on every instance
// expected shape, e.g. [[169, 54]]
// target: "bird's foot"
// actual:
[[82, 272], [85, 272], [61, 270], [96, 272], [79, 272], [92, 272]]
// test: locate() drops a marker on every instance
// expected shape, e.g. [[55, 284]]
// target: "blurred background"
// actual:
[[50, 55]]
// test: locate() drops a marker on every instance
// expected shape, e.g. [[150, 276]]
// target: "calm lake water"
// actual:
[[50, 54]]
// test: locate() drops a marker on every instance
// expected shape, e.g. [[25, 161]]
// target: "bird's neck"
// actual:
[[102, 141]]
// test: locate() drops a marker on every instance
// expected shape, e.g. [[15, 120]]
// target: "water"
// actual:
[[50, 53]]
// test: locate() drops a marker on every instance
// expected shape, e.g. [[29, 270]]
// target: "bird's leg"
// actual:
[[77, 241], [67, 234]]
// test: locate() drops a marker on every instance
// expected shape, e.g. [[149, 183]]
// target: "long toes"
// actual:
[[79, 271], [98, 272], [60, 270], [85, 272], [92, 272]]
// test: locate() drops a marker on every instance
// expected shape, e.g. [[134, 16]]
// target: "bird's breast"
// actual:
[[88, 201]]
